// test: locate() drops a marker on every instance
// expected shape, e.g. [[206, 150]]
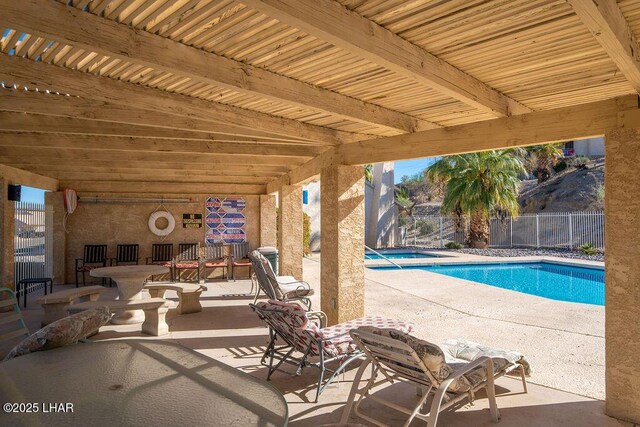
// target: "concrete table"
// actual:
[[130, 280], [135, 383]]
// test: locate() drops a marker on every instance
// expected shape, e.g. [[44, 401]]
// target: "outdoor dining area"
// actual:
[[173, 140]]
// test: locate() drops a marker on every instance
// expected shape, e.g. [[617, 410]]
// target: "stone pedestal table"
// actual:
[[130, 280]]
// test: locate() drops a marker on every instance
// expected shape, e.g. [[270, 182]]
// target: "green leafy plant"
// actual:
[[306, 234], [425, 227], [588, 249], [477, 186], [544, 157], [453, 245], [600, 192], [560, 166], [581, 162], [368, 172]]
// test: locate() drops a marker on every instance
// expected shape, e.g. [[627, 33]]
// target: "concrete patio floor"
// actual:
[[563, 343]]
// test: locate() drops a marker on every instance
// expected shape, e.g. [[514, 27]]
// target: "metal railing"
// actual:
[[543, 230], [33, 242], [381, 256]]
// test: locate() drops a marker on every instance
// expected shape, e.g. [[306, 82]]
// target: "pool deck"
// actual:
[[563, 341]]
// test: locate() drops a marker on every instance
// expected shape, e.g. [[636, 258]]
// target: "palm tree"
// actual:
[[479, 185], [368, 172], [545, 156]]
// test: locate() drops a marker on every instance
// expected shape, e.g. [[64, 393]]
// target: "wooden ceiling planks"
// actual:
[[538, 53]]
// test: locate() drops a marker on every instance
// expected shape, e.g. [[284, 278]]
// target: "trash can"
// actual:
[[270, 253]]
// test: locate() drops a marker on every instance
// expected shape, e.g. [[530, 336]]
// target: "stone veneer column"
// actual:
[[268, 220], [290, 231], [342, 242], [622, 227], [55, 201]]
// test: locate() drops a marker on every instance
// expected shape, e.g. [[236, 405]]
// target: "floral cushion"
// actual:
[[459, 350], [187, 264], [214, 264], [435, 361], [86, 267], [63, 332]]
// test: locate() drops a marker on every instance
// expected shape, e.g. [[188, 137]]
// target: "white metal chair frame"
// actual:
[[386, 354], [284, 353], [268, 283]]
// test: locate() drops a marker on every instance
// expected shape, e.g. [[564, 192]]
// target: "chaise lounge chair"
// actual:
[[293, 330], [399, 356], [280, 288]]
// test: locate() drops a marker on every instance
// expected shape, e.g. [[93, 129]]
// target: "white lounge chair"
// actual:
[[280, 288], [399, 356]]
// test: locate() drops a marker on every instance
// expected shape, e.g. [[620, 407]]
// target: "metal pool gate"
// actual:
[[33, 242]]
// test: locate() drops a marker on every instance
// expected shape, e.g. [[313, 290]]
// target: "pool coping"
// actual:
[[461, 259]]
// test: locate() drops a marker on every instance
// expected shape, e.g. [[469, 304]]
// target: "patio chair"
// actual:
[[280, 288], [240, 258], [305, 333], [125, 255], [95, 256], [162, 254], [11, 322], [213, 258], [188, 259], [399, 356]]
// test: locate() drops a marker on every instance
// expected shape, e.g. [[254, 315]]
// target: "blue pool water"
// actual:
[[398, 255], [554, 281]]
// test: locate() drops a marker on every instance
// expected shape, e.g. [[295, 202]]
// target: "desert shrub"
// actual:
[[453, 245], [306, 234], [580, 162], [600, 192], [425, 227], [588, 249], [560, 166]]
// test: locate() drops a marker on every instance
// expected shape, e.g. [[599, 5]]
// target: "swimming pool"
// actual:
[[398, 255], [549, 280]]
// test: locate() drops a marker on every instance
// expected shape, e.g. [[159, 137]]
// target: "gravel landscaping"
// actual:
[[521, 252]]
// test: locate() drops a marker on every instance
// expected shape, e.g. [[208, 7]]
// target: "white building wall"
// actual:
[[592, 147]]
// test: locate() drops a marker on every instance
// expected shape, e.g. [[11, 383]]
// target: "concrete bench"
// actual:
[[188, 295], [55, 304], [155, 311]]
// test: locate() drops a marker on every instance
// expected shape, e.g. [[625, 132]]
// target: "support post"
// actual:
[[290, 231], [622, 220], [268, 220], [7, 230], [342, 242], [55, 200]]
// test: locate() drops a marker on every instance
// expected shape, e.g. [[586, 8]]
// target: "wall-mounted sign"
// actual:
[[191, 220], [225, 220]]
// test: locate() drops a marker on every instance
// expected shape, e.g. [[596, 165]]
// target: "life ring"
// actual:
[[165, 231]]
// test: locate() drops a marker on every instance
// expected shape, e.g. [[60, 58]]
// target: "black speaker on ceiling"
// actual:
[[14, 192]]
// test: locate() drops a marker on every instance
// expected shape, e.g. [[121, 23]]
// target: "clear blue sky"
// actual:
[[411, 167], [32, 195]]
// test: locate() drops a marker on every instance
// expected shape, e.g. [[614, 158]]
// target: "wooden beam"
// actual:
[[53, 105], [92, 33], [116, 187], [72, 175], [332, 22], [32, 74], [562, 124], [155, 145], [25, 177], [118, 157], [47, 124], [605, 21], [48, 167]]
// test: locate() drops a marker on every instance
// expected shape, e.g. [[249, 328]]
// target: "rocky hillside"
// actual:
[[574, 189]]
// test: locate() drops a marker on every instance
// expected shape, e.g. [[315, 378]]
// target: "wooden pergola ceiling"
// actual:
[[148, 93]]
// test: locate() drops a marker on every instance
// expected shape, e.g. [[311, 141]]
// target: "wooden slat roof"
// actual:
[[534, 54]]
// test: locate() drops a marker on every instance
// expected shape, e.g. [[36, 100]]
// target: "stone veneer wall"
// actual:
[[112, 224]]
